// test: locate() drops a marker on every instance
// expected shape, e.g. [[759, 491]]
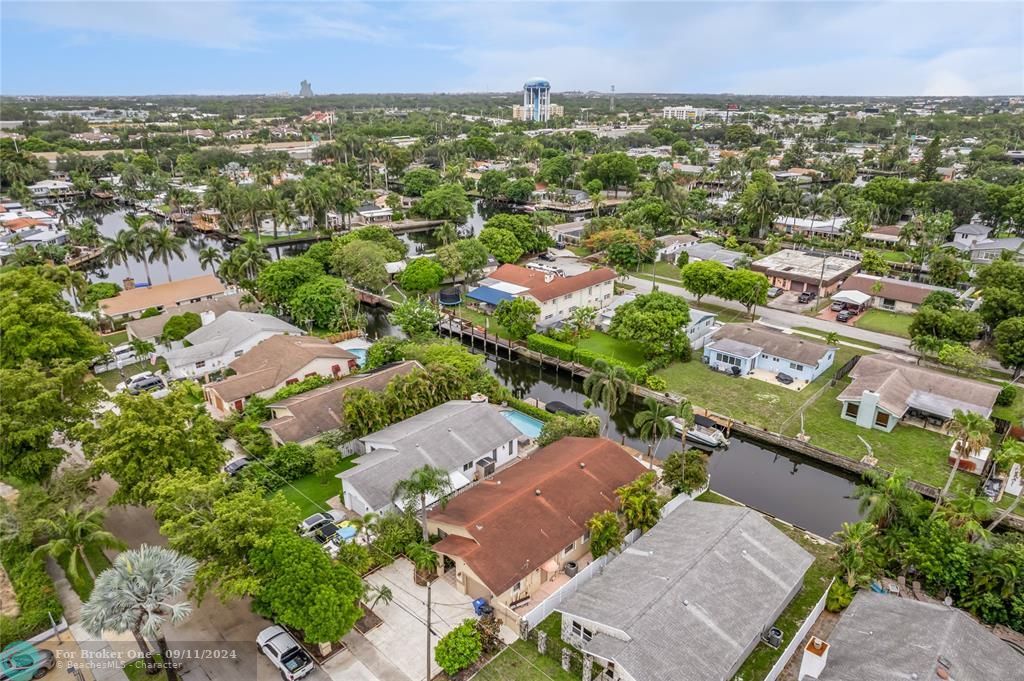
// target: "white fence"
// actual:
[[798, 637], [548, 605]]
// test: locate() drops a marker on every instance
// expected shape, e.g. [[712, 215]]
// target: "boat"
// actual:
[[703, 431], [556, 407]]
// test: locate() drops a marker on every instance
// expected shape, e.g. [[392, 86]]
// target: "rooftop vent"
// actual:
[[537, 492], [583, 464]]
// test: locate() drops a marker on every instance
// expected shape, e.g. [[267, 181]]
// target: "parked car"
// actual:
[[285, 653], [844, 316], [309, 526], [805, 297], [837, 306], [235, 466], [784, 379], [145, 384], [774, 292], [21, 661], [547, 257]]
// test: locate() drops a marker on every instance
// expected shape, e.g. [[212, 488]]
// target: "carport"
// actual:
[[853, 299]]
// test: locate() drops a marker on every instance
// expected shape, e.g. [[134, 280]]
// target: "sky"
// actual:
[[145, 47]]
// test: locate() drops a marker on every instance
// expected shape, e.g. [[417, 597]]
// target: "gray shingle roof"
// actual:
[[885, 637], [229, 330], [446, 437], [693, 594], [710, 251], [787, 346]]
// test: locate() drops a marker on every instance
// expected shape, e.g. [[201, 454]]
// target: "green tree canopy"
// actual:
[[447, 202], [657, 321], [394, 248], [362, 263], [746, 287], [530, 237], [502, 244], [181, 325], [419, 181], [327, 303], [1009, 343], [518, 316], [704, 277], [459, 648], [605, 533], [277, 281], [415, 317], [421, 275]]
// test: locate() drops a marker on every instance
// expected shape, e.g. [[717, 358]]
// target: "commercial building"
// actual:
[[686, 113]]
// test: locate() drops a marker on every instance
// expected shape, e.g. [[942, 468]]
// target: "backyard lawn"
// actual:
[[115, 339], [110, 379], [745, 399], [521, 662], [622, 350], [883, 321], [1013, 413], [894, 256], [311, 492], [483, 321]]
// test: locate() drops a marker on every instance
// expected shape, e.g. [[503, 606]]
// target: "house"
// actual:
[[886, 389], [274, 363], [567, 233], [890, 294], [370, 213], [50, 188], [701, 323], [151, 328], [200, 134], [132, 301], [670, 245], [751, 349], [512, 534], [794, 270], [689, 599], [832, 227], [884, 234], [304, 418], [711, 251], [973, 240], [94, 137], [212, 347], [469, 439], [967, 235], [556, 296], [881, 636]]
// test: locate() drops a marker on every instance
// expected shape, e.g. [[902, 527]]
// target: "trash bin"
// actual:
[[481, 608], [571, 568]]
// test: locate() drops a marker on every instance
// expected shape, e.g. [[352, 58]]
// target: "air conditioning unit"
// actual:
[[485, 466], [772, 637]]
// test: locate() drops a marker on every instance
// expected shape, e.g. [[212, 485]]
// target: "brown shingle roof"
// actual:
[[162, 295], [318, 411], [516, 530], [903, 291], [151, 327], [558, 286], [272, 361]]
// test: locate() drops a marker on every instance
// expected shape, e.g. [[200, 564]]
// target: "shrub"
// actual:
[[306, 384], [840, 594], [657, 383], [181, 325], [395, 531], [529, 409], [1007, 396], [459, 648], [37, 597]]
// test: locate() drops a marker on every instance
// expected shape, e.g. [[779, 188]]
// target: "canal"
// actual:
[[782, 483]]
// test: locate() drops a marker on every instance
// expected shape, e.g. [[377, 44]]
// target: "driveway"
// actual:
[[790, 302]]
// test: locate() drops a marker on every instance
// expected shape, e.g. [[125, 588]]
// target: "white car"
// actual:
[[309, 526], [285, 653]]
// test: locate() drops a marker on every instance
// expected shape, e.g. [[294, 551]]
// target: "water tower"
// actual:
[[536, 100]]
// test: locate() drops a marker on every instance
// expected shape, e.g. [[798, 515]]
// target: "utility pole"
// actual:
[[428, 624]]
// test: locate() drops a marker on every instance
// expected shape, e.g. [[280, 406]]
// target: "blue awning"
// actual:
[[491, 296]]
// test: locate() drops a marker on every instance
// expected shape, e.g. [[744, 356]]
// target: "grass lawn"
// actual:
[[816, 581], [83, 585], [883, 321], [750, 400], [311, 492], [136, 671], [843, 339], [662, 269], [521, 662], [715, 498], [581, 251], [624, 351], [726, 315], [483, 321], [894, 256], [921, 452], [1013, 413], [115, 339]]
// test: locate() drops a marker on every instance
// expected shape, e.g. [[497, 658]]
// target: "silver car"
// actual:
[[309, 526], [285, 653]]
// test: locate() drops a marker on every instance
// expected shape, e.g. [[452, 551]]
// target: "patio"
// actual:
[[768, 377]]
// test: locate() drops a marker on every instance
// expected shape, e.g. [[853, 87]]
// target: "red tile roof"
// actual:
[[543, 290], [514, 530]]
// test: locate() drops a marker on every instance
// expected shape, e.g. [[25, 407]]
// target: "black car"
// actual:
[[233, 467], [805, 297], [844, 316], [784, 379]]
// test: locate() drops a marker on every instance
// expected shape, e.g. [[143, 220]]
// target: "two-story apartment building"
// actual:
[[469, 439], [556, 296], [741, 350], [512, 534]]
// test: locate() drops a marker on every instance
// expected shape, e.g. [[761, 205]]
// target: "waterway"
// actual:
[[782, 483]]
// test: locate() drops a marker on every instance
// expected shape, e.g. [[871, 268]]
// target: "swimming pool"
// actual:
[[346, 532], [527, 425], [360, 354]]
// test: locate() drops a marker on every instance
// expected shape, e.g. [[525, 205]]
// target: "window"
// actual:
[[888, 303], [579, 630], [796, 367], [568, 549], [851, 409], [467, 466], [726, 359], [239, 353], [586, 536], [518, 586], [200, 364], [882, 419]]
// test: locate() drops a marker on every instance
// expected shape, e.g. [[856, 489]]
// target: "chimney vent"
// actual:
[[128, 284], [583, 464], [814, 660], [537, 491]]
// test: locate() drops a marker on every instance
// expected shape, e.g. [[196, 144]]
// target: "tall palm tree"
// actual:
[[446, 233], [73, 532], [857, 554], [140, 232], [654, 424], [273, 203], [968, 511], [607, 387], [210, 256], [971, 432], [366, 524], [118, 251], [424, 482], [141, 593], [1011, 453], [72, 281], [282, 213], [885, 500], [164, 244], [249, 259]]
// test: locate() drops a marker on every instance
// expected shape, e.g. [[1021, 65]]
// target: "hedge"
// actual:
[[569, 353], [37, 596], [530, 410]]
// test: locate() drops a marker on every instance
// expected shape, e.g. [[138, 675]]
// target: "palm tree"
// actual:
[[366, 524], [73, 532], [684, 417], [1011, 453], [140, 231], [654, 424], [886, 499], [446, 233], [424, 482], [139, 594], [72, 281], [607, 387], [165, 244], [596, 201], [249, 259], [857, 555], [210, 256], [377, 594], [118, 251], [972, 431], [423, 558], [968, 511]]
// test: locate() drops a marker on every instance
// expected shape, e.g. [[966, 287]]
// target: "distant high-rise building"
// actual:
[[520, 113], [686, 113], [305, 89], [536, 101]]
